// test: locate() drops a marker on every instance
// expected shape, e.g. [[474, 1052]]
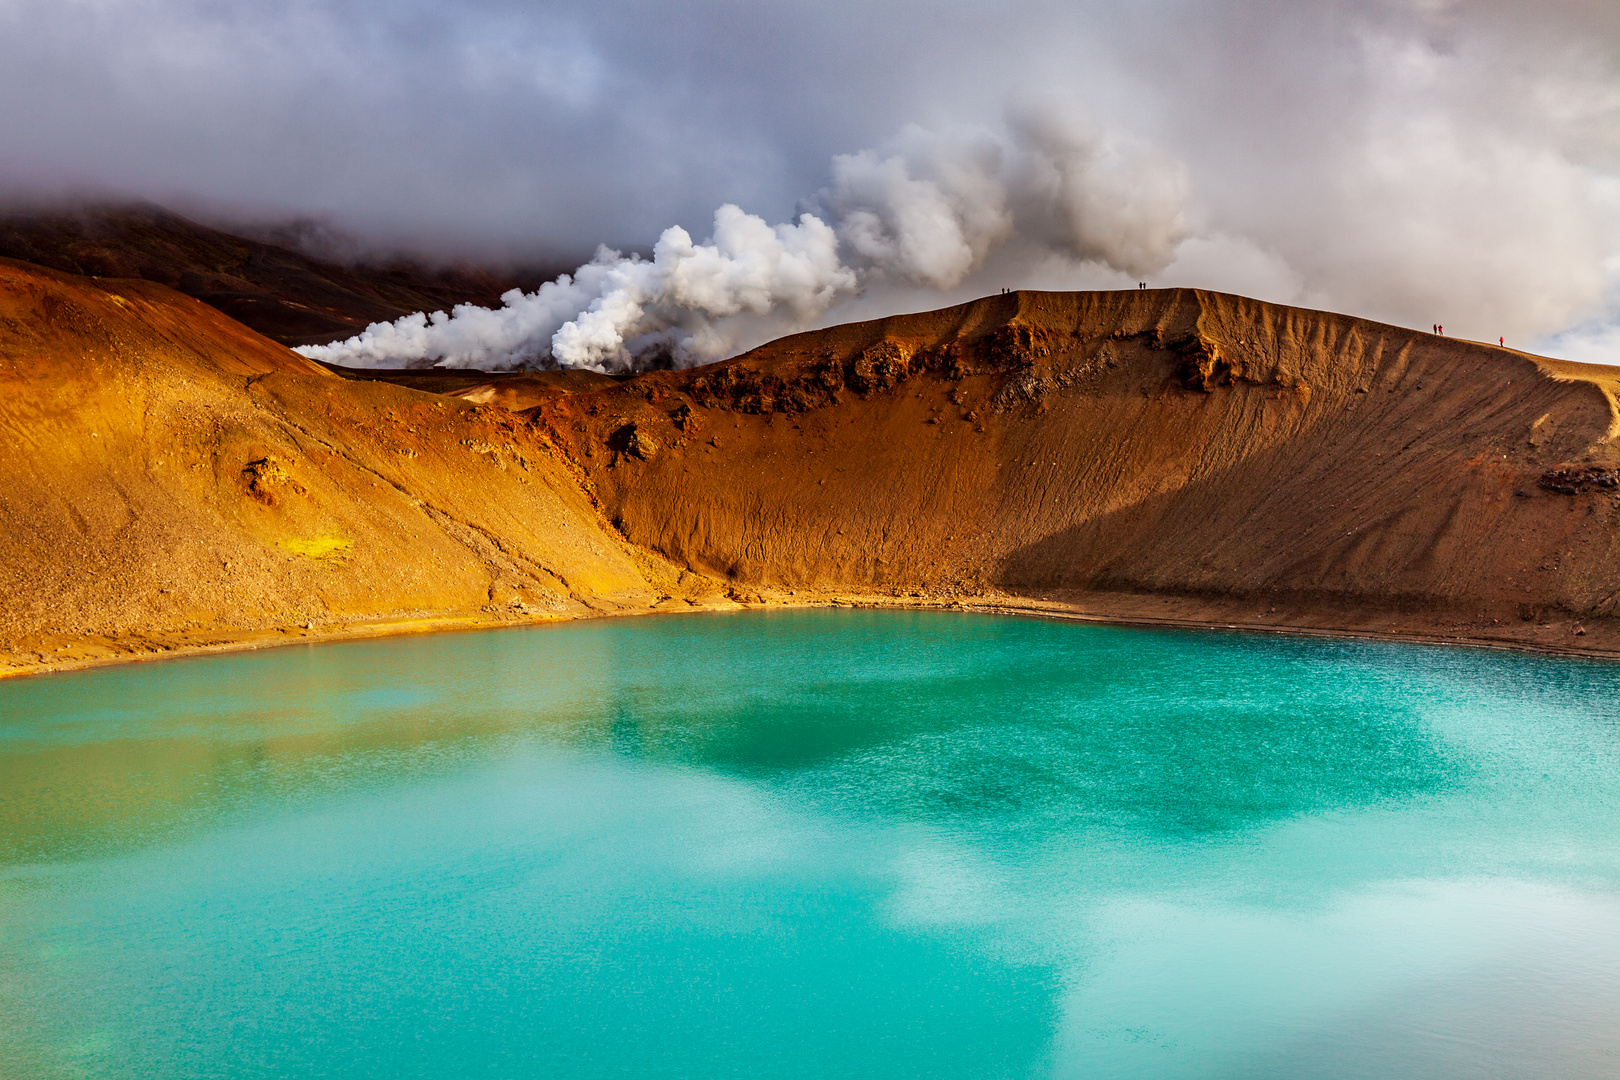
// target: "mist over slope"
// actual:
[[176, 481]]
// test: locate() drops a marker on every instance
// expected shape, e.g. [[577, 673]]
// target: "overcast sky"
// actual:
[[1418, 161]]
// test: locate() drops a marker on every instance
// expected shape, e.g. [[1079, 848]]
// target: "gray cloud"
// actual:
[[1417, 161]]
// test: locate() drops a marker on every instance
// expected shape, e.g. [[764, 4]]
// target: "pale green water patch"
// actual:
[[814, 844]]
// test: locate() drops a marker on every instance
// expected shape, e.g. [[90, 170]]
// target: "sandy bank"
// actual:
[[1145, 612]]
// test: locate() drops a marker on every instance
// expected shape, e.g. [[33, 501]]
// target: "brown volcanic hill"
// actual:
[[1175, 451], [287, 296], [170, 479], [175, 481]]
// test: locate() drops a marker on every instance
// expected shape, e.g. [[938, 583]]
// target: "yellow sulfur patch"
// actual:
[[318, 547]]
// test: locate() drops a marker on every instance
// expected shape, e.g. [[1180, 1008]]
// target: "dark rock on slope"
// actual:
[[285, 295]]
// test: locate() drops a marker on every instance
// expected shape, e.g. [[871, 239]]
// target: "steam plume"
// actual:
[[616, 308], [923, 211]]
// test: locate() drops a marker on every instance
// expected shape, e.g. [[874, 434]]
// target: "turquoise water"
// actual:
[[814, 844]]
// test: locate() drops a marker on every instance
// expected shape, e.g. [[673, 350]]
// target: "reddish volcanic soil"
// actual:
[[176, 482]]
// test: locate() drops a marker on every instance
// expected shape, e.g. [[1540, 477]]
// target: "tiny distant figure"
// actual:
[[1502, 342], [1442, 330], [1434, 328]]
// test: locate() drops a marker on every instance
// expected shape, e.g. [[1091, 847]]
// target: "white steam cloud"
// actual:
[[924, 211], [617, 308]]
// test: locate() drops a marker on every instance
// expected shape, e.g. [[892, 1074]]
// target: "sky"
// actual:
[[1416, 161]]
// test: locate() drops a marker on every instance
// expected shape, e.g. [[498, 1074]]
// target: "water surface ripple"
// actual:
[[814, 844]]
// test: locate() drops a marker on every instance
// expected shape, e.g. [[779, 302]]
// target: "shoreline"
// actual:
[[1405, 637], [1029, 607]]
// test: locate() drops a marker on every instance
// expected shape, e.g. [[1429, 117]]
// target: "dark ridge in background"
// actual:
[[288, 296]]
